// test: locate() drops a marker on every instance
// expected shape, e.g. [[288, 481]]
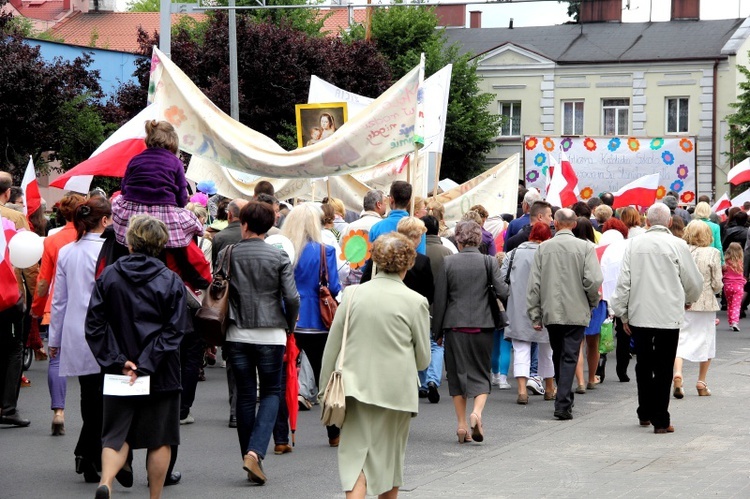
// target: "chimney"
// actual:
[[598, 11], [684, 10], [66, 5], [475, 19], [453, 16]]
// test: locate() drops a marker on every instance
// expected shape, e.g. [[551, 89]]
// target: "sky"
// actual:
[[544, 13]]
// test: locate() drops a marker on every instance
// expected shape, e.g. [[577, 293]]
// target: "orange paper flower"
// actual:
[[549, 144], [531, 143], [587, 192], [633, 144], [589, 144], [688, 197], [661, 191], [686, 145], [175, 115]]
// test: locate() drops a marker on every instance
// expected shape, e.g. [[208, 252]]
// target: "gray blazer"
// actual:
[[520, 327], [461, 293]]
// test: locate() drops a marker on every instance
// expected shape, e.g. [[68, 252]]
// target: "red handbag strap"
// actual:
[[323, 266]]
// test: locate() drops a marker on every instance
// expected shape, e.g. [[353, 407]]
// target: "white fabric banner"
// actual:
[[385, 130], [321, 92]]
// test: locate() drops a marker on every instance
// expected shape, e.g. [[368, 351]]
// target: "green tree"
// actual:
[[574, 9], [739, 127], [402, 34]]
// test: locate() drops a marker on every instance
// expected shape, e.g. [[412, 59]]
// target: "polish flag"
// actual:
[[112, 157], [739, 173], [740, 199], [563, 188], [722, 204], [640, 192], [32, 199], [553, 164]]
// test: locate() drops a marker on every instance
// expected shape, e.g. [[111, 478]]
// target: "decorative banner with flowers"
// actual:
[[605, 164]]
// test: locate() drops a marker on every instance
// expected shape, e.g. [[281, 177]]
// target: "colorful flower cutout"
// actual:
[[661, 191], [545, 169], [687, 197], [587, 192], [686, 145], [677, 185], [614, 144], [532, 175], [589, 144], [540, 159], [531, 143], [175, 115], [634, 144], [566, 144], [656, 144], [667, 157], [355, 248], [549, 144], [682, 172]]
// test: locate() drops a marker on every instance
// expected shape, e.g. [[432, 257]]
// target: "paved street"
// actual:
[[601, 453]]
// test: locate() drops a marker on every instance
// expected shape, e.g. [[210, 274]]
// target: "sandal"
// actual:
[[462, 434], [702, 388], [476, 427], [678, 391]]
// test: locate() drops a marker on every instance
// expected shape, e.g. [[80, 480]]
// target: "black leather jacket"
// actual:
[[261, 281]]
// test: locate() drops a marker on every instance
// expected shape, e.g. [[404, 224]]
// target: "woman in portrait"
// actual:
[[328, 124]]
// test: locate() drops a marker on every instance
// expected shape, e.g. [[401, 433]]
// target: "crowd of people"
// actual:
[[120, 280]]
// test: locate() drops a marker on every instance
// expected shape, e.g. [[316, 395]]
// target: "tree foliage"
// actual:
[[402, 34], [739, 126], [574, 9]]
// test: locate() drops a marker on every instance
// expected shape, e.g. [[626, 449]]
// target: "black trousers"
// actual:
[[655, 351], [191, 359], [313, 346], [92, 404], [566, 344], [11, 361], [622, 349]]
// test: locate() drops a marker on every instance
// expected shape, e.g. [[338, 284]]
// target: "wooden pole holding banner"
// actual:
[[438, 159], [328, 187], [368, 22]]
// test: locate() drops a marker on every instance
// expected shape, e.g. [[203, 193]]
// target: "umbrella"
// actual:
[[292, 385]]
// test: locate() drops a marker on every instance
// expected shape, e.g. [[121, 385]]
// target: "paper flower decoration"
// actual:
[[589, 144], [566, 144], [532, 175], [540, 159], [667, 157], [207, 186], [531, 143], [175, 115], [545, 169], [633, 144], [199, 198], [656, 144], [614, 144], [682, 172], [686, 145], [677, 186], [355, 248], [587, 192], [687, 197], [661, 191], [549, 144]]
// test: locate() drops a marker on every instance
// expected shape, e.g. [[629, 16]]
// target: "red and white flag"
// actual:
[[639, 192], [112, 157], [553, 165], [739, 173], [722, 204], [563, 188], [32, 199]]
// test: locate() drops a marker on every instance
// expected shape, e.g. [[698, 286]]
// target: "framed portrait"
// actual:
[[316, 122]]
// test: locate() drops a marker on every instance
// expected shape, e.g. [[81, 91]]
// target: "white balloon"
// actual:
[[26, 249], [283, 243]]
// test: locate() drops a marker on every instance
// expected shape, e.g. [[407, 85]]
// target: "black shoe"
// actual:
[[432, 393], [624, 378], [422, 394], [15, 420], [88, 469], [563, 415], [232, 422], [602, 367], [125, 476], [173, 479], [102, 492]]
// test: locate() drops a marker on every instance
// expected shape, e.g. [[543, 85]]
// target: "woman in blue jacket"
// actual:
[[302, 226]]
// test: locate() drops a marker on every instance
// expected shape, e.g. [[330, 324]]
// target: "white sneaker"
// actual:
[[503, 383], [735, 328], [534, 384], [188, 420], [495, 379]]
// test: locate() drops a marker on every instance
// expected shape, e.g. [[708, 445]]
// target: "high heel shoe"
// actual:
[[58, 425], [702, 388], [462, 433], [476, 427], [678, 391]]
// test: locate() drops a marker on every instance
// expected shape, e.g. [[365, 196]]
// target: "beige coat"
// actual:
[[388, 342], [708, 260]]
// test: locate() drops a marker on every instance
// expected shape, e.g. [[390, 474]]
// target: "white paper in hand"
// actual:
[[120, 386]]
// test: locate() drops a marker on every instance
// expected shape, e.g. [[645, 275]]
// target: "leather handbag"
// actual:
[[328, 303], [211, 319], [499, 317], [334, 397]]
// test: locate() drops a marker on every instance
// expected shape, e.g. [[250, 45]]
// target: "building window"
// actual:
[[615, 116], [677, 115], [572, 117], [512, 122]]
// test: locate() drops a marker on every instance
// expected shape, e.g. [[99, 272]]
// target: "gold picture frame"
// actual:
[[316, 122]]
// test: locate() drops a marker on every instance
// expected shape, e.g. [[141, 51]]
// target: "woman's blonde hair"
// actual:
[[147, 235], [418, 201], [162, 134], [436, 209], [338, 206], [302, 226], [473, 216], [393, 252], [198, 210], [411, 227], [698, 233], [702, 210], [734, 257]]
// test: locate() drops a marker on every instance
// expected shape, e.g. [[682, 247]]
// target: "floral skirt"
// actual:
[[182, 225]]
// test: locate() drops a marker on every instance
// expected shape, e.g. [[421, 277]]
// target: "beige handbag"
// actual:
[[334, 397]]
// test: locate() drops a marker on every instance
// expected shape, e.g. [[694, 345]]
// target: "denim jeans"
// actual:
[[434, 371], [534, 359], [254, 430], [501, 352]]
